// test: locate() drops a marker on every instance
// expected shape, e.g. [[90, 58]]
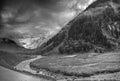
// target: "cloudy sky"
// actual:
[[39, 17]]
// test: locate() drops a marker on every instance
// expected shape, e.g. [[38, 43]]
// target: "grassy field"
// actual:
[[11, 60], [80, 65]]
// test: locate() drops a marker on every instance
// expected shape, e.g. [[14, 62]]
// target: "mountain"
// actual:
[[95, 29]]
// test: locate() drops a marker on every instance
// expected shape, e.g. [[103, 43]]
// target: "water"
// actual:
[[10, 75]]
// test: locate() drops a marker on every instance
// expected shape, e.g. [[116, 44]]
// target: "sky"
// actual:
[[39, 17]]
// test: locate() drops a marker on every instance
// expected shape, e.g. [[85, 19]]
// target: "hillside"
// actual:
[[8, 59], [95, 29]]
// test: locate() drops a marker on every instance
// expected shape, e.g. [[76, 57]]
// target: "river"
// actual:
[[24, 66], [10, 75]]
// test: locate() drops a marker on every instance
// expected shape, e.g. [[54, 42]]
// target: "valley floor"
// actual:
[[79, 67]]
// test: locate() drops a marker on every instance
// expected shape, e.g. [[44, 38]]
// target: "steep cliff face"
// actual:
[[96, 28]]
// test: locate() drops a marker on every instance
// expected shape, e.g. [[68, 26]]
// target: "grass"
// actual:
[[11, 60], [80, 65]]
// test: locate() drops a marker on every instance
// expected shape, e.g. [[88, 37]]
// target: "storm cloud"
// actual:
[[39, 17]]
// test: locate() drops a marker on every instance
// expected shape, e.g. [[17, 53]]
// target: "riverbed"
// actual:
[[25, 65]]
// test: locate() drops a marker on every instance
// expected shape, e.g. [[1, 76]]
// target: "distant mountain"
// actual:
[[95, 29]]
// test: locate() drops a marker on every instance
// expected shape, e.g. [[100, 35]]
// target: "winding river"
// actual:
[[24, 66], [10, 75]]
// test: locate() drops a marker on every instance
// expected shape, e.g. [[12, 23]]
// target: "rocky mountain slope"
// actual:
[[96, 28]]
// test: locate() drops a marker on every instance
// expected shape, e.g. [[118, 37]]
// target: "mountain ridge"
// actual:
[[96, 28]]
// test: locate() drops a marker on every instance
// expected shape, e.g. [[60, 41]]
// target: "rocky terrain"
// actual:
[[95, 29]]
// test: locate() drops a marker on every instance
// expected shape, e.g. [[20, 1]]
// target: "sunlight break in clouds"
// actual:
[[39, 19]]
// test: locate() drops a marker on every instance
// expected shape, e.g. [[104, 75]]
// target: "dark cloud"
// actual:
[[46, 2], [41, 16]]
